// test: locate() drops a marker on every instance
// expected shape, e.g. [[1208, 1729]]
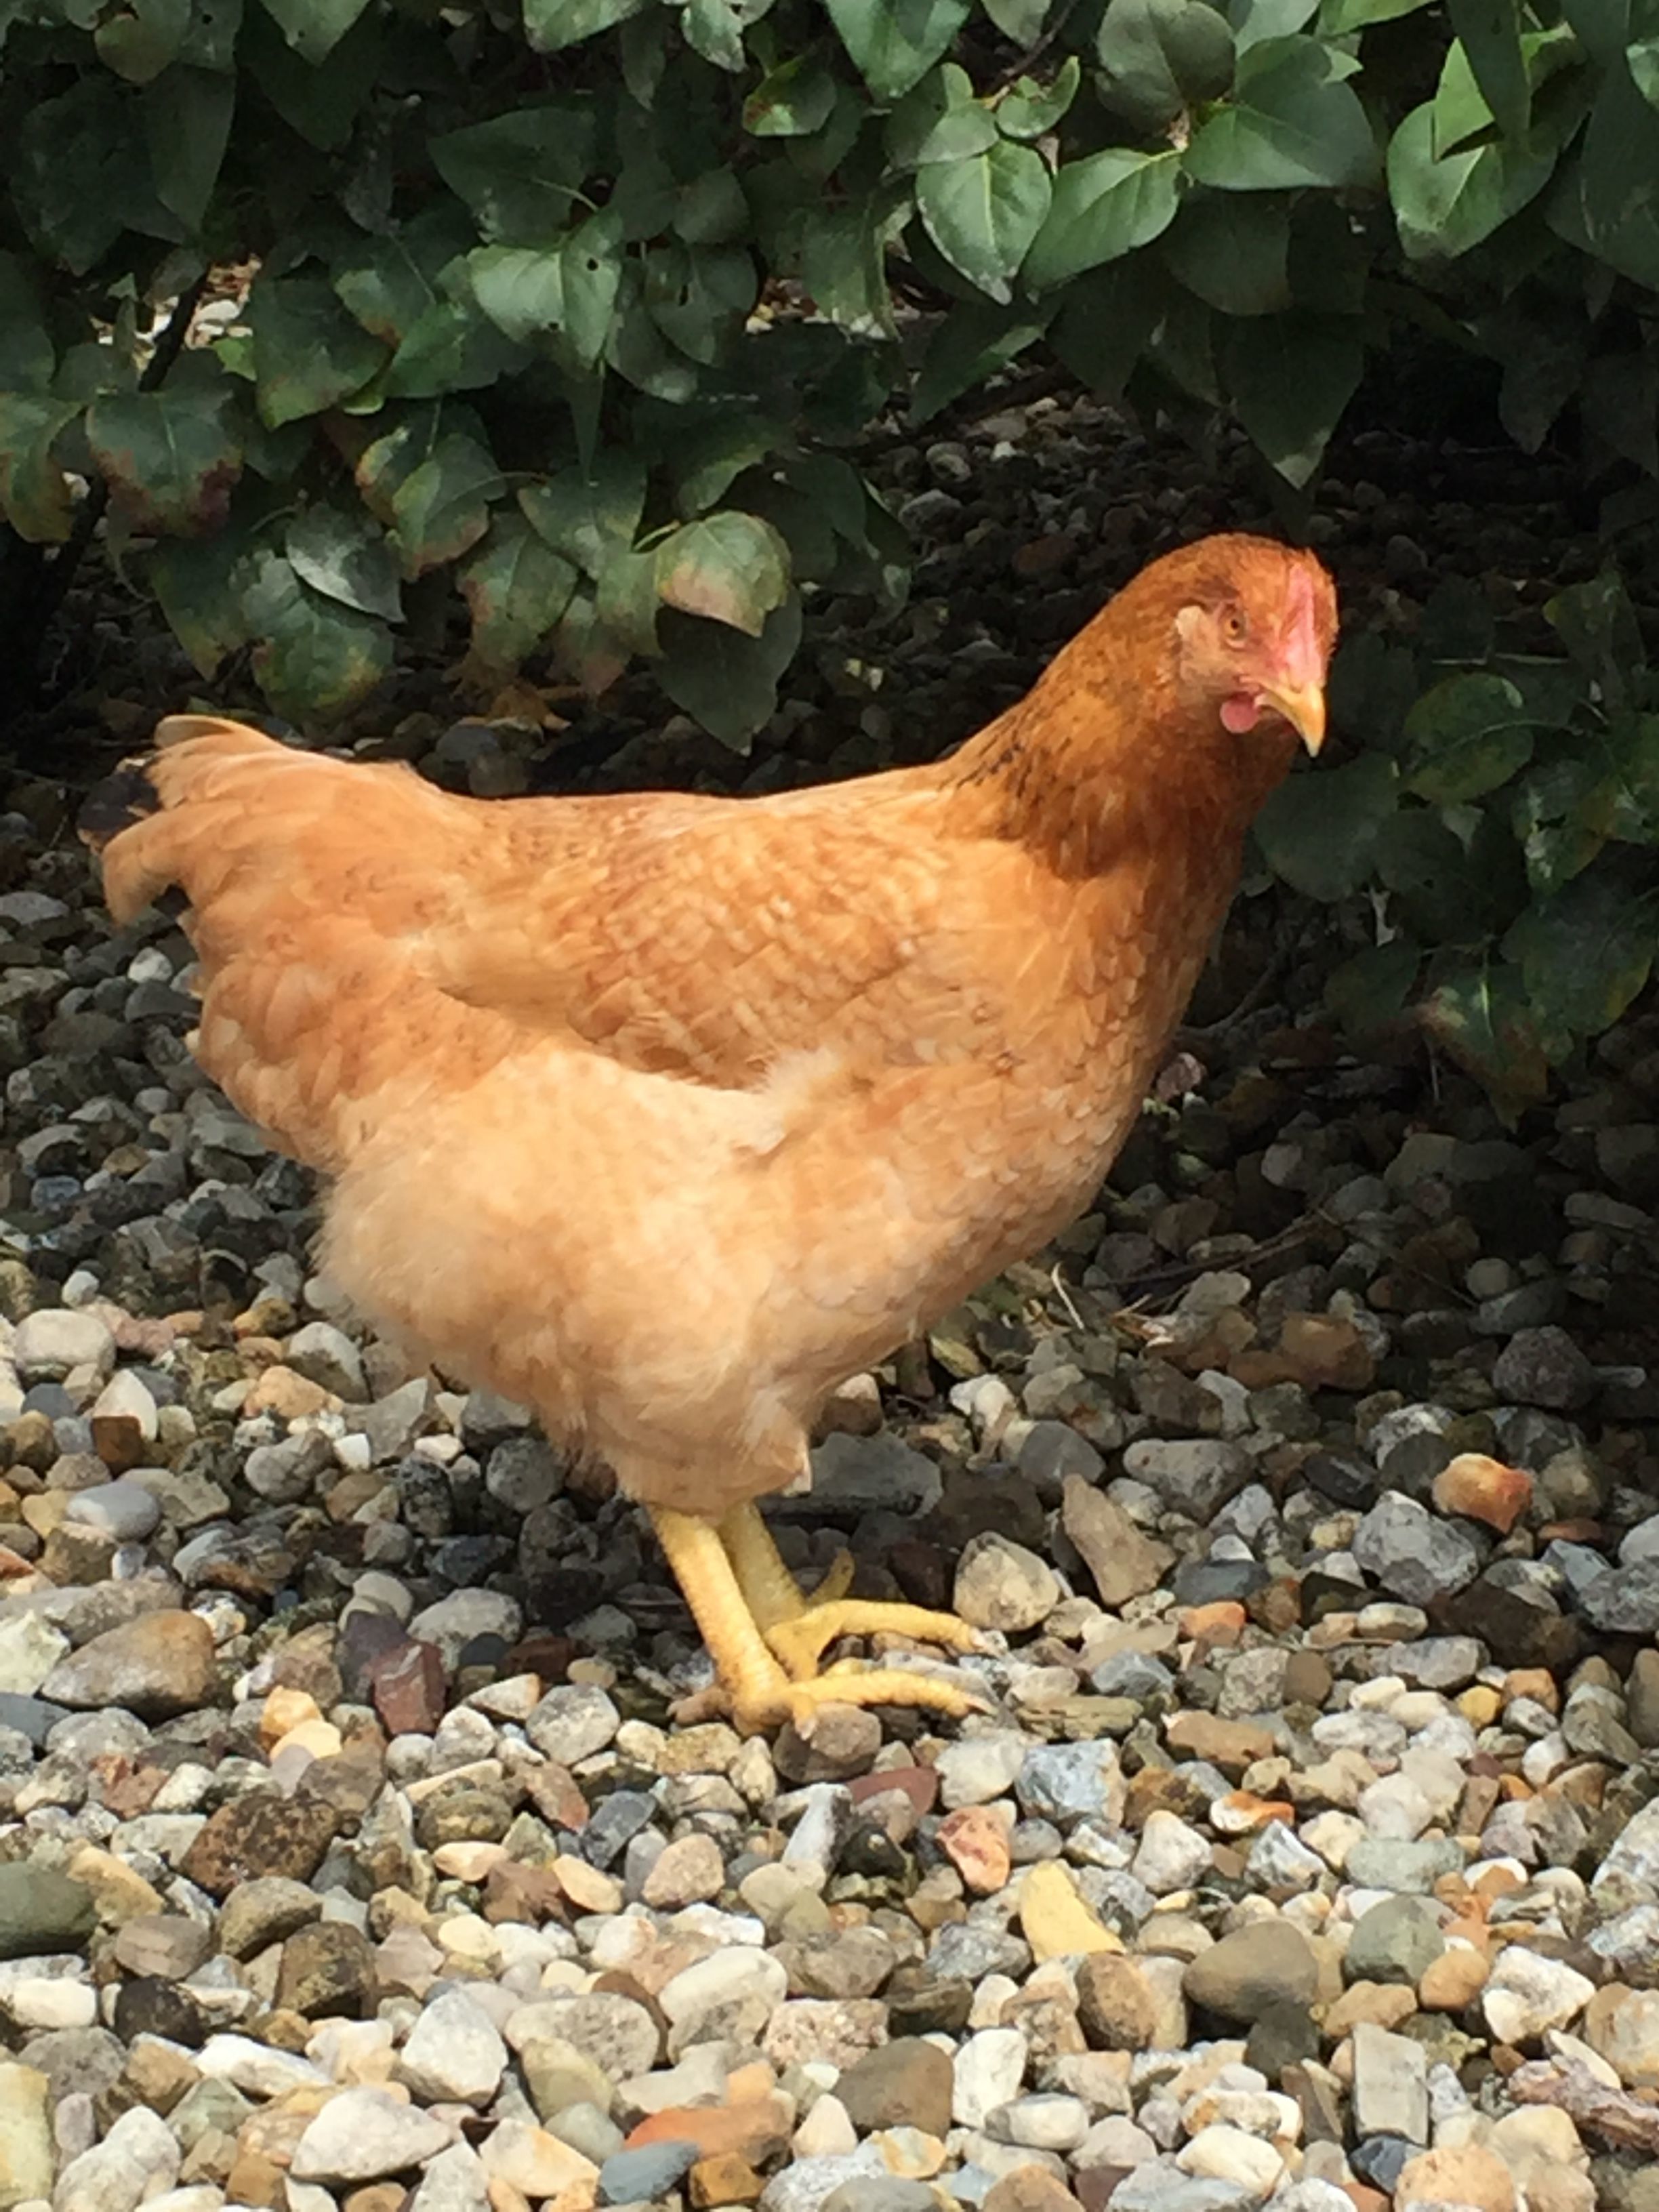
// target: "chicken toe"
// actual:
[[766, 1640]]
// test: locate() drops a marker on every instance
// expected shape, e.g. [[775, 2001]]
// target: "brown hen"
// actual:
[[664, 1114]]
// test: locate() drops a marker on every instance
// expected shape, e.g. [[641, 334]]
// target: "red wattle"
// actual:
[[1240, 713]]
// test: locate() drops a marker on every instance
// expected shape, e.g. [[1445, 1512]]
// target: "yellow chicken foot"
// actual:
[[799, 1629], [761, 1693]]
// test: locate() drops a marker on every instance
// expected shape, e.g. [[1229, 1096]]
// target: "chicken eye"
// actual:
[[1234, 627]]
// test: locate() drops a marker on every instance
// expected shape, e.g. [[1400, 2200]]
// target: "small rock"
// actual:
[[1482, 1489], [157, 1666], [1412, 1554], [907, 2083], [988, 2071], [1464, 2174], [572, 1723], [1544, 1367], [42, 1911], [1268, 1962], [691, 1871], [362, 2135], [976, 1844], [258, 1835], [26, 2157], [1000, 1584], [1527, 1993], [1390, 2085]]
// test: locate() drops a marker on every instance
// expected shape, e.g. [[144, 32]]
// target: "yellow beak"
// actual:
[[1303, 706]]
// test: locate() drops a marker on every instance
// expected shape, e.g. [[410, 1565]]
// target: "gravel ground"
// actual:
[[356, 1849]]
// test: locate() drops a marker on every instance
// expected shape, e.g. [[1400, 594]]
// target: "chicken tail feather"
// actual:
[[309, 990]]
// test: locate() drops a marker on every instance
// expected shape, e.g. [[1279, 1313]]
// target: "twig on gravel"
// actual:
[[1613, 2114]]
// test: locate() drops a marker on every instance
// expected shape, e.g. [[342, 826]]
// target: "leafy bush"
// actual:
[[1504, 819], [570, 307], [328, 310]]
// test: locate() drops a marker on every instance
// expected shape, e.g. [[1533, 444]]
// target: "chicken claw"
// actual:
[[765, 1638], [801, 1642]]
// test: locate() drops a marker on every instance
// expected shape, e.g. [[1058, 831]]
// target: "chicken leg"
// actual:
[[765, 1638]]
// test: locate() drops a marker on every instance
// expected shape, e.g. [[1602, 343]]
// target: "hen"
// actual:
[[663, 1115]]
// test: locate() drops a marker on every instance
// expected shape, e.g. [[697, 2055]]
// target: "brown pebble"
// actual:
[[1308, 1679], [1030, 2189], [724, 2180]]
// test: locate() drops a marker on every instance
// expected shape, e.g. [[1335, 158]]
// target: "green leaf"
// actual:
[[1232, 250], [1585, 951], [589, 516], [728, 681], [27, 358], [626, 604], [1022, 20], [966, 348], [1253, 20], [1426, 865], [1489, 32], [1162, 58], [314, 28], [567, 291], [712, 212], [1620, 404], [140, 41], [79, 174], [344, 558], [1601, 27], [983, 213], [1467, 736], [34, 495], [1319, 830], [519, 288], [198, 584], [961, 132], [1106, 320], [1596, 623], [517, 590], [698, 296], [1290, 377], [308, 353], [894, 43], [1338, 18], [1445, 206], [1627, 800], [791, 100], [521, 172], [1102, 207], [187, 117], [1031, 110], [390, 282], [321, 101], [168, 457], [210, 41], [312, 657], [730, 568], [451, 346], [714, 29], [706, 456], [943, 100], [1604, 202], [442, 506], [1478, 1013], [1553, 818], [1369, 992], [551, 25], [844, 263], [1292, 121]]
